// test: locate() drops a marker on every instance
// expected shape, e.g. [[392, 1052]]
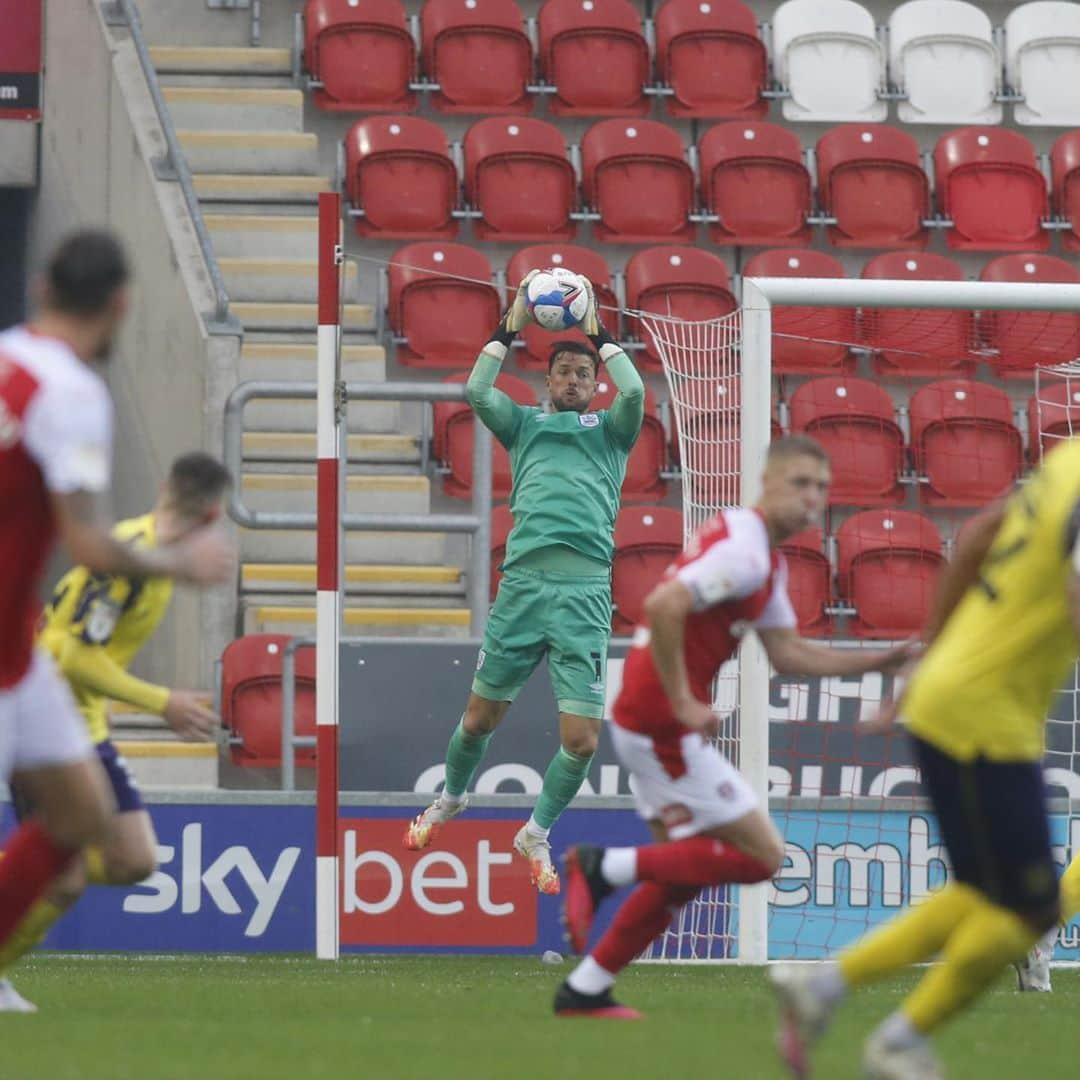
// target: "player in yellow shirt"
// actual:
[[1001, 639], [93, 627]]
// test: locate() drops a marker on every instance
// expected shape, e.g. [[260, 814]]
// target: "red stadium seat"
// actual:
[[583, 260], [1023, 340], [870, 178], [854, 420], [753, 177], [929, 341], [502, 521], [713, 58], [518, 174], [452, 439], [647, 540], [1053, 415], [399, 172], [251, 699], [649, 456], [1065, 186], [595, 55], [364, 57], [889, 563], [637, 177], [989, 184], [964, 441], [809, 581], [806, 340], [442, 303], [479, 54]]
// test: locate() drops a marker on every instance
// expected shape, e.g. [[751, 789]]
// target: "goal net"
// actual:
[[932, 398]]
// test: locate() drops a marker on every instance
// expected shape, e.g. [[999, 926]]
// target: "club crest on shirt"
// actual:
[[589, 419]]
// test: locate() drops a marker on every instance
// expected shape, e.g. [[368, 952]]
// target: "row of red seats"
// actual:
[[752, 181], [592, 53], [442, 303]]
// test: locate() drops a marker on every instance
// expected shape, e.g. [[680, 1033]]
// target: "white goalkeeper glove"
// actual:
[[590, 324], [517, 314]]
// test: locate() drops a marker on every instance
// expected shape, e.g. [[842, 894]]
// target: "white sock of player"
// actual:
[[536, 830], [590, 978], [619, 866], [451, 802], [898, 1032]]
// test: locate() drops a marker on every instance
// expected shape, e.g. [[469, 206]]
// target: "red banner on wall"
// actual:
[[20, 59]]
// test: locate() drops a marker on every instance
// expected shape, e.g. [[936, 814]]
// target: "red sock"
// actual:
[[31, 860], [645, 914], [700, 861]]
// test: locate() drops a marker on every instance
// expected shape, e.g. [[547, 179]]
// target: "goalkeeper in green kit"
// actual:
[[554, 599]]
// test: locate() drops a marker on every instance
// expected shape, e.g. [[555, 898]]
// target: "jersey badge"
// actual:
[[589, 419]]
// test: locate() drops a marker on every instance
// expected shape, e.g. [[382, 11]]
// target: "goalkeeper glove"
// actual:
[[590, 324], [517, 314]]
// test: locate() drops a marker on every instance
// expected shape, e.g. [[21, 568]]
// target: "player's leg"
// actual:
[[1033, 972]]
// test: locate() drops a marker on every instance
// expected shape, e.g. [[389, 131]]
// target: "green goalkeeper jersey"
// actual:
[[567, 467]]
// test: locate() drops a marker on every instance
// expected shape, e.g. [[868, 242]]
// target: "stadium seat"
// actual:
[[854, 420], [519, 176], [647, 540], [1042, 62], [964, 442], [806, 340], [1053, 414], [870, 178], [988, 182], [918, 342], [251, 699], [636, 175], [649, 456], [889, 561], [583, 260], [942, 54], [502, 521], [809, 581], [712, 57], [364, 57], [595, 55], [452, 439], [443, 303], [1020, 341], [479, 54], [684, 282], [754, 178], [827, 54], [399, 172], [1065, 186]]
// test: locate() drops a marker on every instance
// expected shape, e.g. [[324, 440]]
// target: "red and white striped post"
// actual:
[[328, 596]]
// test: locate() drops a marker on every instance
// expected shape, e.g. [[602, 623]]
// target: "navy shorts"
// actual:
[[128, 796], [994, 826]]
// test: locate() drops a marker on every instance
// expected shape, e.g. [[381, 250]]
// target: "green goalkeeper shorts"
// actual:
[[560, 616]]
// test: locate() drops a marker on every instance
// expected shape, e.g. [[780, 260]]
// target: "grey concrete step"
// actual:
[[297, 360], [296, 450], [376, 417], [227, 108], [394, 621], [288, 280], [277, 153], [170, 763], [271, 580], [378, 494], [218, 60], [259, 189], [296, 317], [284, 236], [298, 545]]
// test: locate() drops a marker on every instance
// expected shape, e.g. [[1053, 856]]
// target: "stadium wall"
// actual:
[[168, 377]]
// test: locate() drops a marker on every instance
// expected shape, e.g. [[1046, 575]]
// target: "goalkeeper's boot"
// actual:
[[804, 1014], [585, 891], [884, 1062], [12, 1001], [568, 1002], [1033, 972], [426, 825], [541, 869]]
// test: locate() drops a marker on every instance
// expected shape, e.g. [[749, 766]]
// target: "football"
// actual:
[[557, 299]]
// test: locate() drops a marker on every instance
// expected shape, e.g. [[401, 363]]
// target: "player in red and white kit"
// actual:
[[708, 824], [55, 464]]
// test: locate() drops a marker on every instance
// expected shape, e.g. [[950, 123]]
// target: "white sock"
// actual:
[[590, 978], [451, 802], [619, 866], [829, 983], [898, 1032], [534, 829], [1049, 940]]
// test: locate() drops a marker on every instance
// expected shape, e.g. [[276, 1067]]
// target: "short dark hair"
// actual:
[[84, 272], [789, 446], [195, 481], [578, 348]]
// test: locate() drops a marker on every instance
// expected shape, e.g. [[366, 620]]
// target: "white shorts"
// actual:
[[709, 793], [39, 723]]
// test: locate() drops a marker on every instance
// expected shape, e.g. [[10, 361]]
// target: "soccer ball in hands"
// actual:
[[557, 299]]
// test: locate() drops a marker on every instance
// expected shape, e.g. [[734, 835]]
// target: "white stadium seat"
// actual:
[[827, 54], [1042, 62], [942, 53]]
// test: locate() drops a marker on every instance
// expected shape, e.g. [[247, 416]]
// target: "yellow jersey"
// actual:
[[95, 624], [986, 684]]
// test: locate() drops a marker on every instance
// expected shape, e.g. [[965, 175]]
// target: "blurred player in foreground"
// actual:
[[55, 465], [93, 628], [554, 599], [1002, 635], [1033, 972], [709, 826]]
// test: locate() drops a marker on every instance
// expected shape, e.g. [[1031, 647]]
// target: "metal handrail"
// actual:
[[290, 741], [174, 165]]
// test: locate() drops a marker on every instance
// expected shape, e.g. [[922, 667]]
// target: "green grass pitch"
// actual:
[[440, 1018]]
